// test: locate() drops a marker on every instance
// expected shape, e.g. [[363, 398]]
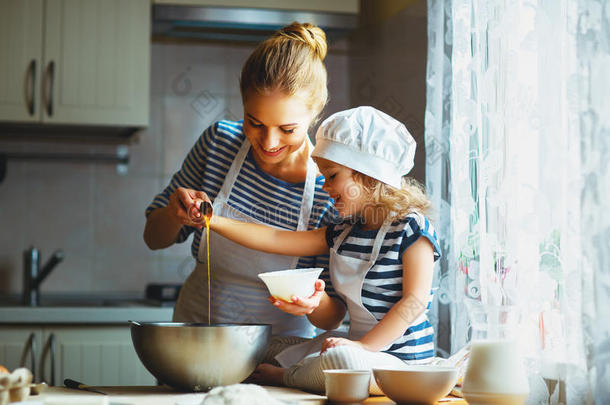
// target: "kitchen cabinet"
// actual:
[[19, 346], [83, 62], [95, 355], [336, 6]]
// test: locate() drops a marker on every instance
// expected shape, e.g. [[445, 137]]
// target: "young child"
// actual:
[[381, 254]]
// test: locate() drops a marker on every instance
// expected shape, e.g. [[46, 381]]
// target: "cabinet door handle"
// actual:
[[52, 346], [30, 346], [48, 349], [31, 87], [50, 84]]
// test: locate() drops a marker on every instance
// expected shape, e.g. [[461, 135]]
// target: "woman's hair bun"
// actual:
[[310, 34], [291, 61]]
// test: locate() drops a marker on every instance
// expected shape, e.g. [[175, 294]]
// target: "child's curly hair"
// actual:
[[399, 202]]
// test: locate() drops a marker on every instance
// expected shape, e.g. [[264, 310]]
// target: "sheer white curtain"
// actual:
[[518, 156]]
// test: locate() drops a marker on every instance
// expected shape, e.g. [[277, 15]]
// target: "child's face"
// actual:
[[340, 184], [275, 124]]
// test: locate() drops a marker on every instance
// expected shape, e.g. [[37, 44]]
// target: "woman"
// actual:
[[258, 170]]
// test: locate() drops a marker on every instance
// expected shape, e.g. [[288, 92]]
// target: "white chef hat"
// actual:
[[369, 141]]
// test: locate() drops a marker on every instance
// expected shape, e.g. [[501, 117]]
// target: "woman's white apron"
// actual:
[[238, 295]]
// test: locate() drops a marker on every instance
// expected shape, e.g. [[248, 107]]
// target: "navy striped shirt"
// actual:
[[256, 193], [382, 286]]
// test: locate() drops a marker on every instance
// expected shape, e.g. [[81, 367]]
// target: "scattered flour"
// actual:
[[240, 394]]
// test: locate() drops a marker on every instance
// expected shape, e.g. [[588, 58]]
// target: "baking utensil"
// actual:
[[198, 356], [347, 386], [206, 209], [496, 370], [197, 214], [37, 389], [422, 384], [285, 284], [80, 386]]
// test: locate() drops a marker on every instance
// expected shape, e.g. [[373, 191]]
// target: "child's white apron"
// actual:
[[347, 275]]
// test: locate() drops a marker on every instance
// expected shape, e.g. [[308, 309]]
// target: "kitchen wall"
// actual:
[[388, 65], [96, 215]]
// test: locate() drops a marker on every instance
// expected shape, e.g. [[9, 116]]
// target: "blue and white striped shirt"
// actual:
[[255, 192], [382, 286]]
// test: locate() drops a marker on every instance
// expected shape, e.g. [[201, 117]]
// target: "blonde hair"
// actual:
[[291, 60], [399, 202]]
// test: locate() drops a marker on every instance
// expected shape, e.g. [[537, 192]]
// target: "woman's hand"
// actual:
[[184, 199], [337, 341], [301, 306]]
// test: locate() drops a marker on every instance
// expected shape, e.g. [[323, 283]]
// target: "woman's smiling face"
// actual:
[[275, 124], [342, 187]]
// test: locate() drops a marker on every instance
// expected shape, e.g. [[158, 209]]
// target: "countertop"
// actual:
[[82, 308], [79, 315], [155, 395], [162, 395]]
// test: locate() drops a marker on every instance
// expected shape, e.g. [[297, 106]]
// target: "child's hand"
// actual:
[[301, 306], [337, 341]]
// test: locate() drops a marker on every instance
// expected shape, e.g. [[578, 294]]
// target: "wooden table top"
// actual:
[[163, 395]]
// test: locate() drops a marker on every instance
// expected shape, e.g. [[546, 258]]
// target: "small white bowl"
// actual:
[[285, 284], [423, 384], [347, 386]]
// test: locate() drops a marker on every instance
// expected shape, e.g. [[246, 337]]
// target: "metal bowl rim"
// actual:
[[194, 324]]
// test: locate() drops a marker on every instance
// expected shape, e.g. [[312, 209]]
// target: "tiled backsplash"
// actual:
[[97, 215]]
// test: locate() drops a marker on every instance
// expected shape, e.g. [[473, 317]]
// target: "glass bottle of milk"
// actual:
[[495, 372]]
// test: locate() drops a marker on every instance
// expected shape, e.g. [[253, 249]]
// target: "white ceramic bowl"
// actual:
[[347, 386], [417, 383], [285, 284]]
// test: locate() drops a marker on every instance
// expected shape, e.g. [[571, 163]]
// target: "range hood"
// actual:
[[240, 24]]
